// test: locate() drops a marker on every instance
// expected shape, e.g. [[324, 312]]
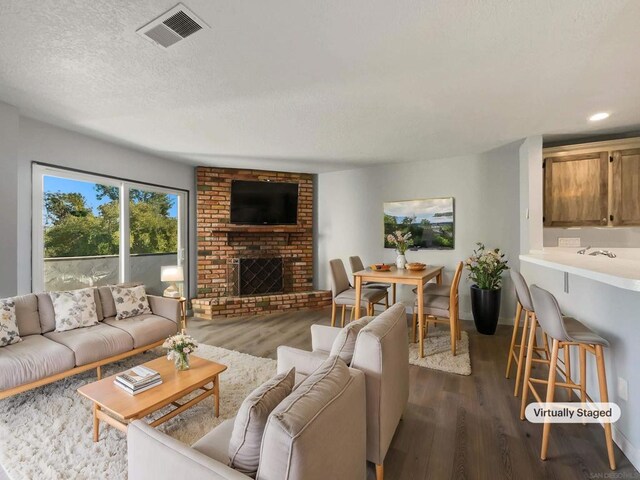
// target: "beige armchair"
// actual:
[[382, 354], [344, 294], [294, 445]]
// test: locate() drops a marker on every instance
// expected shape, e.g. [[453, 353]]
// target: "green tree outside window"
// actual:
[[72, 229]]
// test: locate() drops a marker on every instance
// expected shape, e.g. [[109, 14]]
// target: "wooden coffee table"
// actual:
[[116, 407]]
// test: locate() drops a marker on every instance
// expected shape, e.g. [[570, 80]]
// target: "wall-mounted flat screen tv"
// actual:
[[264, 203]]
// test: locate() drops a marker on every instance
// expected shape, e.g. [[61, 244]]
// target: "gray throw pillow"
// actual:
[[345, 342], [244, 446]]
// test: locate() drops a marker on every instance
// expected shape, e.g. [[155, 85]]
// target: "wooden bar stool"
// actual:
[[567, 332], [517, 350]]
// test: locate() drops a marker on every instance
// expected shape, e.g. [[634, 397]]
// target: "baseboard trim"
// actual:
[[630, 451]]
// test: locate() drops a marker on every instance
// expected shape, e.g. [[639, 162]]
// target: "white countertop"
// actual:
[[622, 271]]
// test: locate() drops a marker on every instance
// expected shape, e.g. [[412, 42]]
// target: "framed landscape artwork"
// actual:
[[430, 221]]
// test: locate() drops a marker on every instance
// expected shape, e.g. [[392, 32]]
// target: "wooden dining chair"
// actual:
[[344, 294], [442, 309], [356, 266]]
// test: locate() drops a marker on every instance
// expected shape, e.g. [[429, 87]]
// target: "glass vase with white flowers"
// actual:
[[401, 242], [179, 348]]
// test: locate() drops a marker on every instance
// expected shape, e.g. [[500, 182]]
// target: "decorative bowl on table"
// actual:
[[380, 267], [415, 266]]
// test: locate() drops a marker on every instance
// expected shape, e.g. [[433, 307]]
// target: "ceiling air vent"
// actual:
[[172, 26]]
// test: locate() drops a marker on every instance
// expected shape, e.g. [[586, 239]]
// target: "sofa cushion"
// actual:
[[74, 309], [99, 311], [345, 341], [298, 415], [310, 396], [8, 324], [145, 329], [166, 307], [91, 344], [106, 300], [130, 301], [34, 358], [215, 444], [27, 314], [244, 446], [45, 312]]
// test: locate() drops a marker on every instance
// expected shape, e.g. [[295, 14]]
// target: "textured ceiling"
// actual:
[[323, 85]]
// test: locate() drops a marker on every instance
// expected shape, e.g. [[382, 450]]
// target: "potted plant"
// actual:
[[402, 243], [485, 271]]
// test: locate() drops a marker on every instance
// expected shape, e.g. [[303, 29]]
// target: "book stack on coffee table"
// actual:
[[138, 379]]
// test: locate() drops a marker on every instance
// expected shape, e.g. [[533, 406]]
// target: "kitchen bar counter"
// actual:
[[622, 271]]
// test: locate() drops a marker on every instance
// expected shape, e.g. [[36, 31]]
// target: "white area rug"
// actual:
[[437, 353], [46, 433]]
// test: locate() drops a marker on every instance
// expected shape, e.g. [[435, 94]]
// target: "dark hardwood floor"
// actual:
[[455, 427]]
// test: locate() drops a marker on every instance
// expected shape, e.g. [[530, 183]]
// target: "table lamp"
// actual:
[[171, 274]]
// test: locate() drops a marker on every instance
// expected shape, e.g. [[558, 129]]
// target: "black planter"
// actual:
[[485, 305]]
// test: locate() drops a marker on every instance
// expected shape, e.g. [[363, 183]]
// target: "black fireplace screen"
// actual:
[[260, 276]]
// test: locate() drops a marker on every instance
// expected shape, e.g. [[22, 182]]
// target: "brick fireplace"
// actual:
[[249, 269]]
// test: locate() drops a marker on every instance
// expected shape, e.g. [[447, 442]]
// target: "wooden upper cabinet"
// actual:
[[576, 190], [625, 173]]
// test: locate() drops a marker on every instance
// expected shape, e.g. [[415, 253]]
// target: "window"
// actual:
[[84, 235]]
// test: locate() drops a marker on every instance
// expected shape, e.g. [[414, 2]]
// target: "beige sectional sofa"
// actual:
[[44, 355]]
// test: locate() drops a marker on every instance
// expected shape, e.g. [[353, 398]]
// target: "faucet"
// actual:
[[603, 252], [584, 250]]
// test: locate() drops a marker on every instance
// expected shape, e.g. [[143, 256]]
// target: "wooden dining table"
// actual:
[[403, 277]]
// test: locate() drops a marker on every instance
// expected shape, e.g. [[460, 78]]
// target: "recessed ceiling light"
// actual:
[[598, 116]]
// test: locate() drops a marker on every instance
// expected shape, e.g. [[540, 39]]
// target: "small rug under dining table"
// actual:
[[438, 356]]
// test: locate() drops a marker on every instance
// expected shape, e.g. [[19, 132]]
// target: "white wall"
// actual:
[[485, 191], [531, 194], [35, 141], [9, 197]]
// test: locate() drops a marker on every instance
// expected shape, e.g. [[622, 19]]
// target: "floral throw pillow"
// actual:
[[74, 309], [8, 323], [130, 301]]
